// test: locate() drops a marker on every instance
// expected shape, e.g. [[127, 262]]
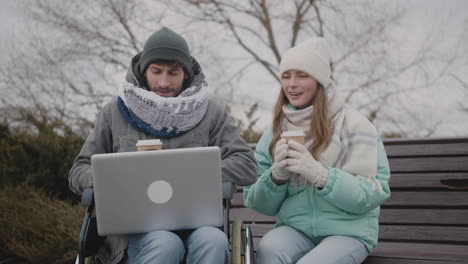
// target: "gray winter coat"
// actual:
[[113, 133]]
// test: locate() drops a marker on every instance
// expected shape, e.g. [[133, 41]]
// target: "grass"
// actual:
[[35, 228]]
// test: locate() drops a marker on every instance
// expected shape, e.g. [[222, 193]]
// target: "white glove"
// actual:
[[300, 161], [278, 170]]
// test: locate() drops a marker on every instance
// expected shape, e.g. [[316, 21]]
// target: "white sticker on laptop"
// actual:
[[160, 192]]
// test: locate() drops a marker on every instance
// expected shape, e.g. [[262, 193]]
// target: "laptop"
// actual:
[[174, 189]]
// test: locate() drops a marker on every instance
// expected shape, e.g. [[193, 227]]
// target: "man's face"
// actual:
[[165, 80]]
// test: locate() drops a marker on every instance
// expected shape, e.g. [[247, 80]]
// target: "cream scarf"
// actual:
[[354, 143]]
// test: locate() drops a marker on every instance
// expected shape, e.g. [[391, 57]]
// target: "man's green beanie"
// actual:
[[166, 45]]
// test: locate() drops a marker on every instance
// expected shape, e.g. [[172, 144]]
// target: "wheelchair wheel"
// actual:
[[236, 242]]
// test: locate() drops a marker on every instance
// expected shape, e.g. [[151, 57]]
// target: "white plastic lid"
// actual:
[[148, 142], [296, 133]]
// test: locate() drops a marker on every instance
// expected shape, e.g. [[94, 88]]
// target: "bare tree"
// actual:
[[463, 105], [361, 33], [79, 51], [75, 55]]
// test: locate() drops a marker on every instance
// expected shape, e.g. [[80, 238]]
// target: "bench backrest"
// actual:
[[428, 208]]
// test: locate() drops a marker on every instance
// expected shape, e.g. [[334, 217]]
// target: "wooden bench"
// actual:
[[426, 218]]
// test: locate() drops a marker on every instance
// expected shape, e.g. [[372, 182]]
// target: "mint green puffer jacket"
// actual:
[[346, 206]]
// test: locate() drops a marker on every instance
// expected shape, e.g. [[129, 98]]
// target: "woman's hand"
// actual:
[[279, 173], [300, 161]]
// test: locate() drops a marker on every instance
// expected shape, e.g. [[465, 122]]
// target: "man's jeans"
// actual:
[[203, 245], [287, 245]]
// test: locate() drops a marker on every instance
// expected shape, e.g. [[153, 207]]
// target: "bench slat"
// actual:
[[439, 253], [413, 198], [408, 198], [422, 251], [429, 164], [424, 216], [418, 180], [431, 140], [423, 180], [387, 216], [250, 215], [436, 234], [380, 260], [259, 230], [437, 149]]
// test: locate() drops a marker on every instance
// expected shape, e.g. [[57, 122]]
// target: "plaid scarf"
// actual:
[[353, 147]]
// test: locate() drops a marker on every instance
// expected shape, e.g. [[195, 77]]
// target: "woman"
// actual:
[[326, 193]]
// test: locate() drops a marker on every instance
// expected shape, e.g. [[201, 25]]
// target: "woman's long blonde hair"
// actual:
[[320, 129]]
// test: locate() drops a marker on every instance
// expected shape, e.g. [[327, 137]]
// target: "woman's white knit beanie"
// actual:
[[312, 57]]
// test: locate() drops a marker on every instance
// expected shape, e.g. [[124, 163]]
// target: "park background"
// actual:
[[403, 64]]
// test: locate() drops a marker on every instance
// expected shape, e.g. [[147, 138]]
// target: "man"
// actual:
[[163, 98]]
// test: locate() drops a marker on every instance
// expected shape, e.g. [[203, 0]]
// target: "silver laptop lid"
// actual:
[[137, 192]]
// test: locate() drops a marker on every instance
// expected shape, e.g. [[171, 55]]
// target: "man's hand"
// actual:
[[300, 161]]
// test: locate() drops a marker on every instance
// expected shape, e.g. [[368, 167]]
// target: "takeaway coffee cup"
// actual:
[[149, 144], [298, 136]]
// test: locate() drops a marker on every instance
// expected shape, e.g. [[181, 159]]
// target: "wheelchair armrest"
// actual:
[[87, 198], [228, 189]]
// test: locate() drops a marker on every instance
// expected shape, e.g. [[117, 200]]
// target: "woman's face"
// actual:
[[299, 87]]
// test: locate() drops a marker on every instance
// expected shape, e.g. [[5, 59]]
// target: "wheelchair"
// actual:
[[241, 239]]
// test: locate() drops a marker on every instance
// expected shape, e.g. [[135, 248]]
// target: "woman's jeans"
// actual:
[[203, 245], [288, 245]]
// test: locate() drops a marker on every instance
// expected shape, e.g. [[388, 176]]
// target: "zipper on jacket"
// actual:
[[314, 205], [168, 143]]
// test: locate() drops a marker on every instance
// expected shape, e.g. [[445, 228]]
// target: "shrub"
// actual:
[[37, 228], [40, 153], [246, 126]]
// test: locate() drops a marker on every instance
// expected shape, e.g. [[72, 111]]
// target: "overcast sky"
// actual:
[[425, 15], [422, 18], [10, 18]]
